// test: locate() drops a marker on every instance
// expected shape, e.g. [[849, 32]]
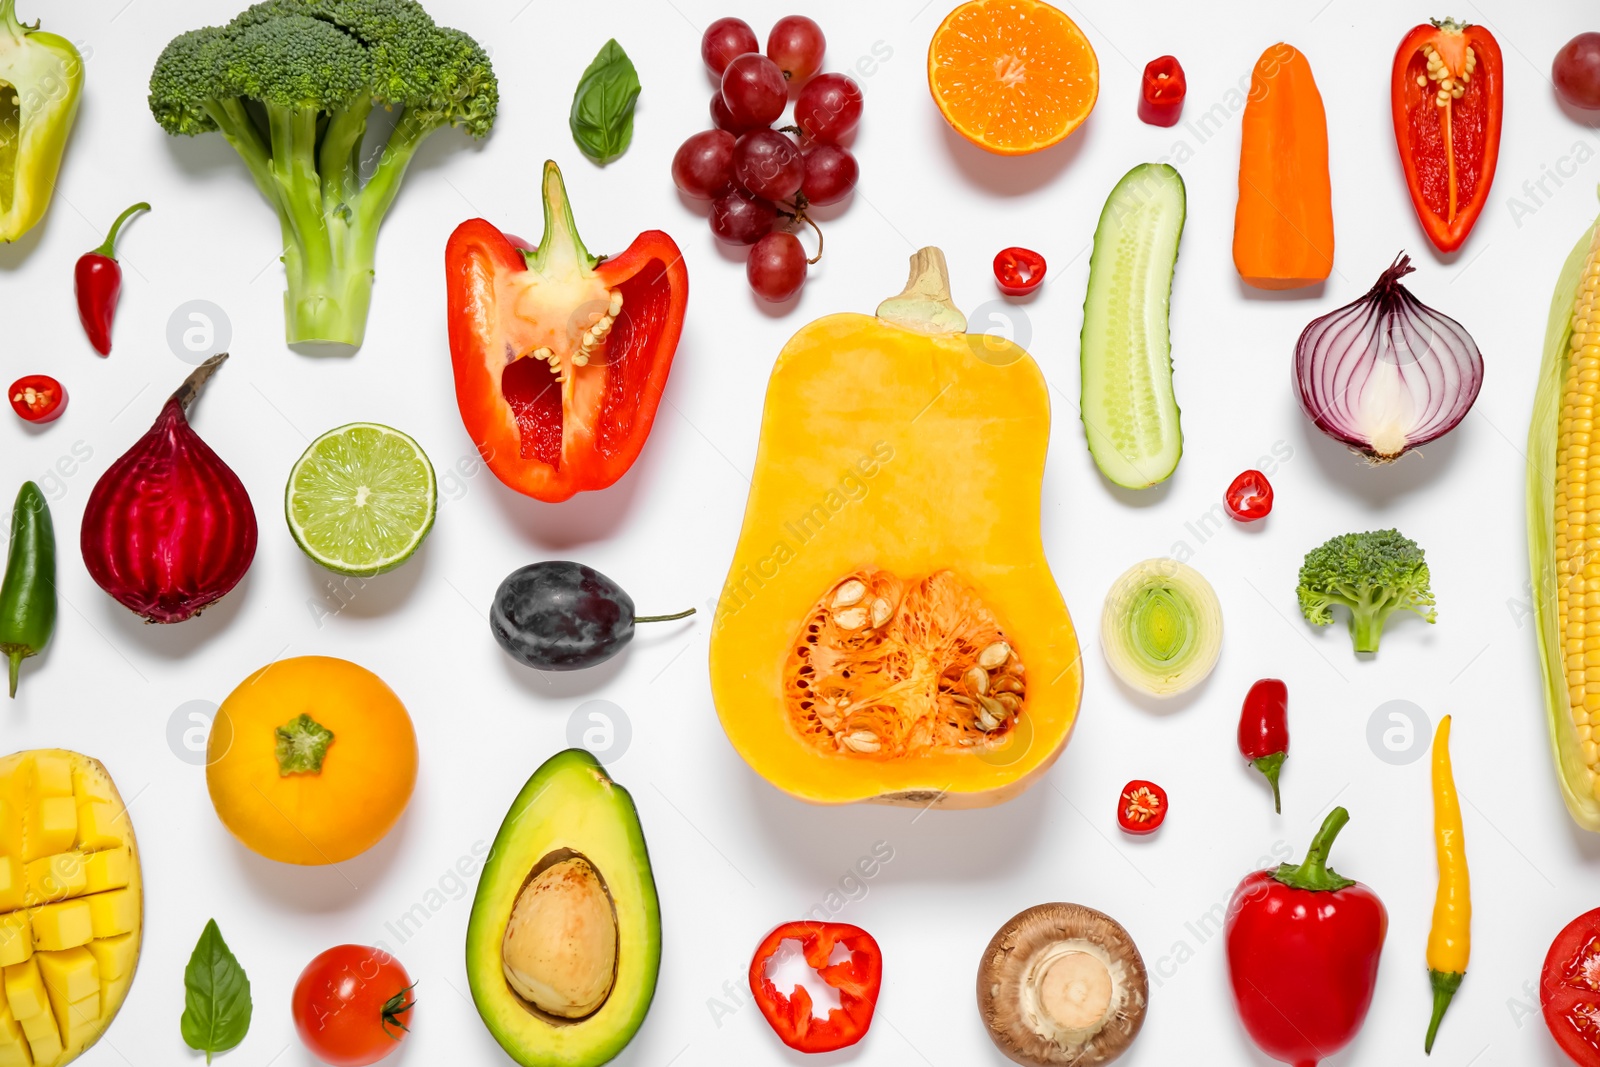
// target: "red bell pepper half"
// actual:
[[857, 980], [561, 357], [1447, 96], [1303, 947]]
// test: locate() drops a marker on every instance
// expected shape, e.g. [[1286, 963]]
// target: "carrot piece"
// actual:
[[1283, 229]]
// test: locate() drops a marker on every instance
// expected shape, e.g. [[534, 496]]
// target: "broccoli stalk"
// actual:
[[1372, 574], [291, 85]]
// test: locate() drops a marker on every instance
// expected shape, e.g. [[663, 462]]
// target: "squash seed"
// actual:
[[881, 610], [851, 618], [977, 680], [994, 655], [849, 593], [860, 741]]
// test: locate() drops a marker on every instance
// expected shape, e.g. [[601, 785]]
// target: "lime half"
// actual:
[[361, 499]]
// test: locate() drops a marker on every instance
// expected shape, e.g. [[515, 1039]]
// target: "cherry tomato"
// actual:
[[1142, 807], [352, 1005], [1569, 989], [1249, 497], [1018, 271], [37, 398]]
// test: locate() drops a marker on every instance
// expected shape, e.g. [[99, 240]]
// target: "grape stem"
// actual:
[[799, 215]]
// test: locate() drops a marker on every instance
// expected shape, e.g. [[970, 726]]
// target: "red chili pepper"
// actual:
[[554, 407], [857, 980], [1569, 989], [1448, 149], [37, 398], [98, 282], [1303, 948], [1142, 807], [1018, 271], [1264, 730], [1161, 94], [1249, 497]]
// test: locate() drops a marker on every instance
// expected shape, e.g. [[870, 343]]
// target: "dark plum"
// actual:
[[563, 616]]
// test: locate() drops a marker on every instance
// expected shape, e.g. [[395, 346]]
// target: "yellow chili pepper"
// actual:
[[1450, 939]]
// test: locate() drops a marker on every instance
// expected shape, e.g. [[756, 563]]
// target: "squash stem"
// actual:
[[925, 305]]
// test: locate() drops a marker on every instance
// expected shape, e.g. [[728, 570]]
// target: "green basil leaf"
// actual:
[[216, 1003], [602, 108]]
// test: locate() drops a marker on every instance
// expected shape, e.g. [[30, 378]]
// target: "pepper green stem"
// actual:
[[560, 247], [8, 18], [1445, 984], [109, 249], [15, 655], [1314, 873], [302, 745], [1270, 766], [663, 618]]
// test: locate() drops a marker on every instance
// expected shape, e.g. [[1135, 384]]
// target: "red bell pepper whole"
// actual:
[[857, 979], [1303, 946], [1264, 731], [97, 282], [1161, 91], [552, 409], [1448, 150]]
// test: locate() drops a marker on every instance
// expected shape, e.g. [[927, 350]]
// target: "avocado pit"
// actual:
[[559, 954]]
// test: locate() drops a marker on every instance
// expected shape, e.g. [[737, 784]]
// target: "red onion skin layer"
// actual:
[[169, 528], [1336, 355]]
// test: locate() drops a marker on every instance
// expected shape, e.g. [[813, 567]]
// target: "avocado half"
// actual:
[[569, 810]]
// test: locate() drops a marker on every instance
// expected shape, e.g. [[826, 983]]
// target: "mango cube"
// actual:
[[15, 1054], [56, 878], [10, 825], [69, 976], [25, 990], [99, 825], [10, 1034], [53, 828], [113, 956], [73, 1019], [86, 785], [16, 938], [39, 1028], [111, 913], [46, 1047], [13, 882], [65, 925], [52, 776], [110, 869]]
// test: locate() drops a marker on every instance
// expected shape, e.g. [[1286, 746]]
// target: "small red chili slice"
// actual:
[[1018, 271], [1142, 807], [1161, 94], [37, 398], [857, 979], [1249, 497]]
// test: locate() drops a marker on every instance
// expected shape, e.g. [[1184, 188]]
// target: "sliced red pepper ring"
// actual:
[[561, 357], [1249, 497], [1161, 91], [1446, 93], [857, 979], [37, 398], [1018, 271], [1142, 807]]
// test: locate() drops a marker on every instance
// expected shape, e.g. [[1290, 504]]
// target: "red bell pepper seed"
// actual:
[[1249, 497], [1018, 271], [1162, 91], [1142, 807], [37, 398]]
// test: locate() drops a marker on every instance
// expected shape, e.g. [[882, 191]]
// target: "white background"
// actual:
[[732, 856]]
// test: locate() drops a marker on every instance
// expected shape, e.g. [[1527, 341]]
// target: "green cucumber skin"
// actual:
[[1142, 372]]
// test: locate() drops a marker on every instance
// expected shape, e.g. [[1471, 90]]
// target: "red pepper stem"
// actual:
[[109, 249], [1445, 984], [1270, 765], [1314, 873]]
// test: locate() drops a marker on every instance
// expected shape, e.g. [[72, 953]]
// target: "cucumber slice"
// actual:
[[1129, 413]]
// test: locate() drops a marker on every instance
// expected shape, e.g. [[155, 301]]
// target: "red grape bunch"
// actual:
[[760, 180]]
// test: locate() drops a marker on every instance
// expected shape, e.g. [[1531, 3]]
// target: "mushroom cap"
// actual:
[[1044, 972]]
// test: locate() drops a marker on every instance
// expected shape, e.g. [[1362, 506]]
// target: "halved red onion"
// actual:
[[1387, 373]]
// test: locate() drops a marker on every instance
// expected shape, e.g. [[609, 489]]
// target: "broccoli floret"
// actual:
[[1374, 574], [292, 84]]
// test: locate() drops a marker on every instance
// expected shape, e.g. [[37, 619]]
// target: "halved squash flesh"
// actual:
[[889, 629]]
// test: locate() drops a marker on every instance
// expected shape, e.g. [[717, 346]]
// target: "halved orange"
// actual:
[[1012, 76]]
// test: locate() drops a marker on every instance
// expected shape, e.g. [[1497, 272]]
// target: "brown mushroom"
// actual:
[[1061, 985]]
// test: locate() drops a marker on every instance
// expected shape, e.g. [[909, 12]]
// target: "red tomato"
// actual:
[[352, 1005], [1569, 989], [1018, 271], [1249, 497], [1142, 807], [37, 398]]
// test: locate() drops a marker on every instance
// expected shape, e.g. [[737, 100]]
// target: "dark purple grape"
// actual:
[[831, 174], [769, 164], [703, 165], [828, 108], [754, 90], [741, 219], [725, 40], [776, 267], [796, 44], [561, 616]]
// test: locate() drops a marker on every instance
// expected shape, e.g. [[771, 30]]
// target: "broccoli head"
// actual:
[[292, 85], [1373, 574]]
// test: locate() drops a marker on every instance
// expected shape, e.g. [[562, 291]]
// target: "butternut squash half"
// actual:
[[889, 630]]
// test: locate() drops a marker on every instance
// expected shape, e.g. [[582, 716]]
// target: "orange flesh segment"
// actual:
[[1012, 76]]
